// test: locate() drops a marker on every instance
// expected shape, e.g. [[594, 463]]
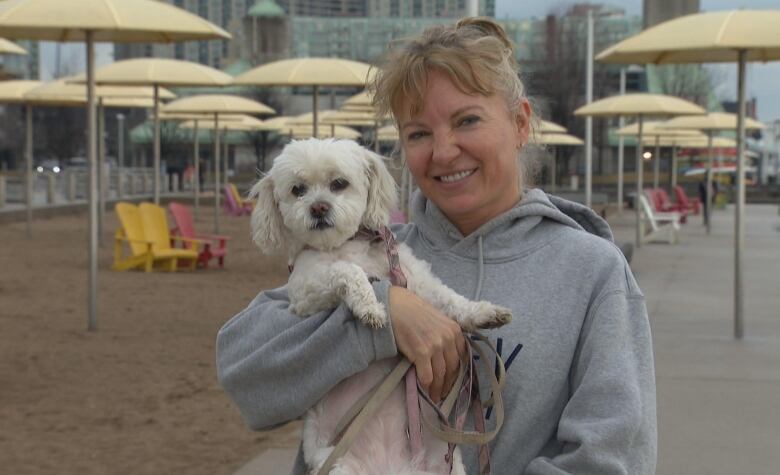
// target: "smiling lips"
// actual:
[[455, 176]]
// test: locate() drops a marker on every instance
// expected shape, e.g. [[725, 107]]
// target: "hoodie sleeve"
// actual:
[[276, 365], [609, 424]]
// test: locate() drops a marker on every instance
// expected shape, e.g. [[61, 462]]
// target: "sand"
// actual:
[[140, 394]]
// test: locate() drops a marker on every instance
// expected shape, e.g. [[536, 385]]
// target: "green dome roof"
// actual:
[[266, 8]]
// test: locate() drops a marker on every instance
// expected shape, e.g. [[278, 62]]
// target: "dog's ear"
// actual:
[[267, 224], [382, 192]]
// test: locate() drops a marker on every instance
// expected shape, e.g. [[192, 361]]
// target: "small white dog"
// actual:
[[315, 198]]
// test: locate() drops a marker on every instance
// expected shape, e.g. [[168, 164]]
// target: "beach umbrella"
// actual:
[[314, 72], [159, 72], [88, 21], [651, 129], [640, 105], [216, 105], [388, 133], [736, 36], [555, 138], [336, 131], [710, 123], [9, 47], [547, 127]]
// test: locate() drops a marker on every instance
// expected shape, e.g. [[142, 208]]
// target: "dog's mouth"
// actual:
[[321, 225]]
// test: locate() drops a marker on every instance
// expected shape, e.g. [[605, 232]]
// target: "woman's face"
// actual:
[[462, 151]]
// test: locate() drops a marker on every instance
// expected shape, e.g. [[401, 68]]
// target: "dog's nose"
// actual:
[[319, 209]]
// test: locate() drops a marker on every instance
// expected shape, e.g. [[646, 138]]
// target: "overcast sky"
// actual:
[[762, 79]]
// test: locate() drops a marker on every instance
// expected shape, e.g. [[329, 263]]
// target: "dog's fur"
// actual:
[[311, 203]]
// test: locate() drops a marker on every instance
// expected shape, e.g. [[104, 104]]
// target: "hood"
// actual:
[[532, 223]]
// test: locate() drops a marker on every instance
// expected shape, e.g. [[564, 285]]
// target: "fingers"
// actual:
[[439, 365], [452, 358]]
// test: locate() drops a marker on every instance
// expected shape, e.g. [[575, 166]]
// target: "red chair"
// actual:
[[662, 204], [689, 204], [215, 245]]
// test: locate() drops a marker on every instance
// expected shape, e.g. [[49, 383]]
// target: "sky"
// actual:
[[762, 79]]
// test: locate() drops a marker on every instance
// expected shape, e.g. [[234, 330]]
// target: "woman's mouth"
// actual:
[[452, 178]]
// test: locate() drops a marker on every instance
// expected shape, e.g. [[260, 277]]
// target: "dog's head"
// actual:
[[318, 193]]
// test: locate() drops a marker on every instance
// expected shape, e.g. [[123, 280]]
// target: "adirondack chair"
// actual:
[[231, 206], [214, 246], [664, 227], [244, 203], [156, 230], [662, 204], [143, 254], [397, 217], [683, 201]]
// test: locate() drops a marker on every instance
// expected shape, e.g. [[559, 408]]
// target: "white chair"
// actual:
[[664, 227]]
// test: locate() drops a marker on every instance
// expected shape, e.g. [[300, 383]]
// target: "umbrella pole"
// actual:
[[674, 165], [553, 168], [656, 161], [739, 232], [225, 154], [708, 189], [639, 166], [93, 171], [28, 152], [314, 110], [101, 156], [156, 144], [589, 119], [216, 173], [196, 158]]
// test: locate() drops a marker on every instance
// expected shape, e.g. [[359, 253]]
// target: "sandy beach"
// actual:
[[140, 395]]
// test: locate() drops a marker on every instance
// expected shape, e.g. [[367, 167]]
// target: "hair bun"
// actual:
[[488, 27]]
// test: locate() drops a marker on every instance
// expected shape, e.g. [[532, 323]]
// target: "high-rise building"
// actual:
[[659, 11], [22, 66]]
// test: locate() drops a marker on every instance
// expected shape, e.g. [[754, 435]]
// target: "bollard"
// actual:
[[50, 188], [2, 191], [175, 183], [72, 182]]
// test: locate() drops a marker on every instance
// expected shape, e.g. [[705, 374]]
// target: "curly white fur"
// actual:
[[312, 201]]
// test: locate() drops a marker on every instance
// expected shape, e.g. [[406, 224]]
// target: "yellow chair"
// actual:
[[242, 203], [140, 230]]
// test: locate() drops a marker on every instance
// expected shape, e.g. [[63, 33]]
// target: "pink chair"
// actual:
[[231, 206], [683, 201], [397, 217], [215, 245]]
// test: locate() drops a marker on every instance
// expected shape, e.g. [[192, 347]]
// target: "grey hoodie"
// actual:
[[580, 392]]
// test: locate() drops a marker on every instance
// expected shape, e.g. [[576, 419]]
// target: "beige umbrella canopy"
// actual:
[[9, 47], [640, 105], [313, 72], [216, 105], [547, 127], [338, 131], [388, 133], [158, 72], [239, 122], [117, 21], [710, 123], [558, 139], [734, 36]]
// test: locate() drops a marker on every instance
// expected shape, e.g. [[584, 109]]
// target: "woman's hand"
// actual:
[[429, 339]]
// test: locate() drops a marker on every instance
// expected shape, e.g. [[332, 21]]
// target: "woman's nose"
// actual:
[[445, 147]]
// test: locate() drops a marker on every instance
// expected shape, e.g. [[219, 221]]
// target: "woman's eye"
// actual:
[[468, 120], [338, 184], [299, 190], [415, 135]]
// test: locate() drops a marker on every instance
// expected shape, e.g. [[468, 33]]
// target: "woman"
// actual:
[[580, 392]]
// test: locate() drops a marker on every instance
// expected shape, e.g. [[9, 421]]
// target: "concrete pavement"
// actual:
[[718, 398]]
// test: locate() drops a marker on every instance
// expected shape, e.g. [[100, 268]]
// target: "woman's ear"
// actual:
[[267, 224], [382, 192], [523, 121]]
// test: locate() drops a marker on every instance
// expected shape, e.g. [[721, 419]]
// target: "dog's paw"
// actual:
[[372, 315], [489, 315]]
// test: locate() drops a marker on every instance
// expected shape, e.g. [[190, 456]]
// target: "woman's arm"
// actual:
[[609, 424], [275, 365]]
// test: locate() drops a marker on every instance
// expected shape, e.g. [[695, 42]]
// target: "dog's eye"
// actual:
[[338, 184], [299, 190]]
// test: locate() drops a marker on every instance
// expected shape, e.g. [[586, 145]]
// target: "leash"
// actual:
[[464, 394]]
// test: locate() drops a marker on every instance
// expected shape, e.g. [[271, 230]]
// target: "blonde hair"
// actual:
[[475, 53]]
